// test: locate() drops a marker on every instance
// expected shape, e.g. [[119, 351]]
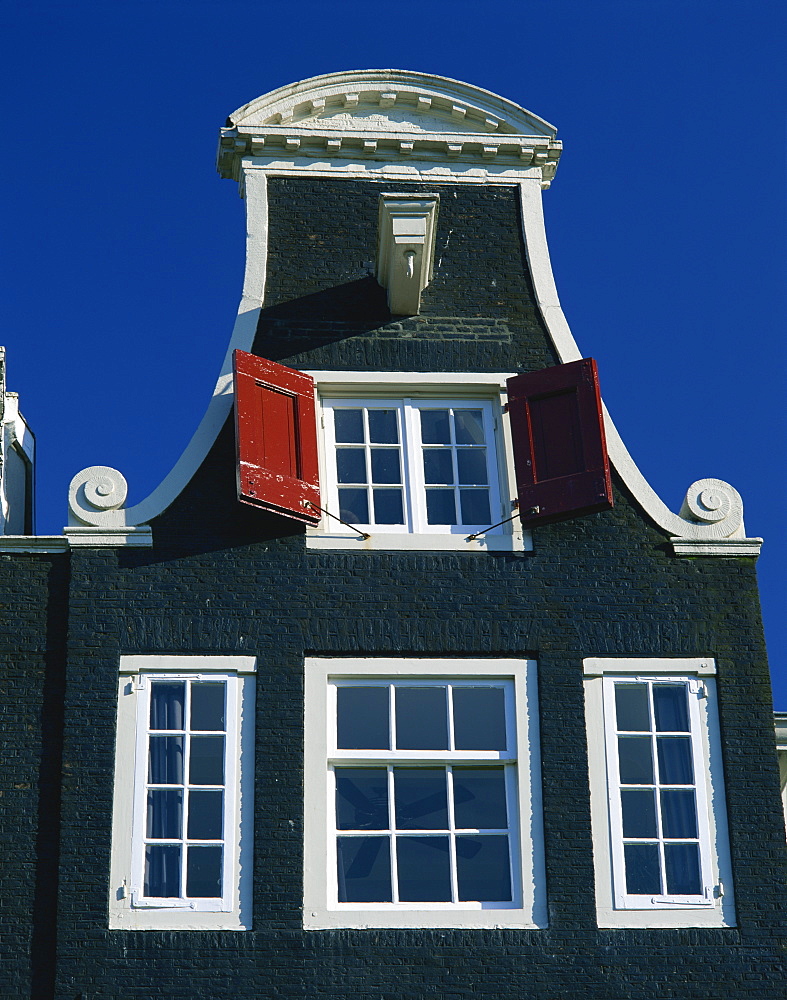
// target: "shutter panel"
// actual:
[[560, 451], [276, 438]]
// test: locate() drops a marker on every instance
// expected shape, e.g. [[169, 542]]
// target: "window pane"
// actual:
[[167, 701], [440, 507], [424, 869], [642, 868], [364, 869], [421, 718], [354, 506], [205, 815], [165, 760], [435, 427], [670, 708], [421, 798], [203, 872], [483, 869], [351, 465], [162, 870], [165, 813], [362, 718], [636, 760], [480, 798], [479, 718], [361, 798], [471, 465], [639, 812], [388, 506], [206, 763], [475, 506], [438, 466], [207, 706], [382, 427], [675, 766], [385, 466], [678, 812], [469, 426], [682, 862], [631, 707], [348, 426]]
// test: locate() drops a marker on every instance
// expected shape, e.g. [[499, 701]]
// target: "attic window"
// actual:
[[405, 248]]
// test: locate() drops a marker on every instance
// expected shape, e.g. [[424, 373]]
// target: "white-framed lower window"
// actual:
[[183, 793], [657, 793], [415, 461], [422, 794]]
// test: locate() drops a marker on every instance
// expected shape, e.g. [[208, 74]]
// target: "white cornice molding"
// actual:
[[386, 116]]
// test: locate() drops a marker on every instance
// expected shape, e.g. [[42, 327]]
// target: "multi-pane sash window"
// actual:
[[412, 465], [424, 793], [185, 792], [657, 798]]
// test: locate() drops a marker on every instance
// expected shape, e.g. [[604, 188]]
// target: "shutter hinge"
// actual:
[[697, 686]]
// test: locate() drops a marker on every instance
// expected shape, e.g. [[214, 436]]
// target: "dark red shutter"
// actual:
[[276, 437], [560, 451]]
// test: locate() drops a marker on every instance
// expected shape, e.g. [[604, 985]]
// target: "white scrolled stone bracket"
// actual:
[[96, 514], [712, 513]]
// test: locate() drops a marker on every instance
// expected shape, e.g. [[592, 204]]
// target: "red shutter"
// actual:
[[276, 438], [560, 451]]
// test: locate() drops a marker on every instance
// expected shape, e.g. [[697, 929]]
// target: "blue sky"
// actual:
[[123, 251]]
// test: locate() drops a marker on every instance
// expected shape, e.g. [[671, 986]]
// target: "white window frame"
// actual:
[[321, 907], [128, 907], [714, 906], [448, 388]]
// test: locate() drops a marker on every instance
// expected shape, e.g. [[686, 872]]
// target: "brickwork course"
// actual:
[[224, 578]]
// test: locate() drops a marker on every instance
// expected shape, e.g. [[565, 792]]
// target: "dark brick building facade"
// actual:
[[608, 598]]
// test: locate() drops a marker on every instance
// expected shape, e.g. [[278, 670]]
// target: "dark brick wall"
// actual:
[[224, 578]]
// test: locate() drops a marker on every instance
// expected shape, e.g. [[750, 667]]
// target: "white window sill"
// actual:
[[320, 920], [405, 542]]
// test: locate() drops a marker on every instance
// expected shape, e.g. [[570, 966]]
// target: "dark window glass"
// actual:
[[382, 427], [165, 760], [435, 427], [479, 718], [642, 868], [631, 707], [675, 765], [206, 765], [639, 812], [364, 869], [205, 815], [671, 708], [388, 507], [162, 870], [421, 798], [348, 425], [636, 760], [483, 869], [469, 426], [475, 506], [440, 507], [351, 465], [682, 862], [471, 466], [361, 798], [354, 506], [207, 706], [385, 465], [165, 813], [421, 718], [424, 869], [438, 467], [362, 718], [167, 701], [480, 798], [203, 872], [678, 812]]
